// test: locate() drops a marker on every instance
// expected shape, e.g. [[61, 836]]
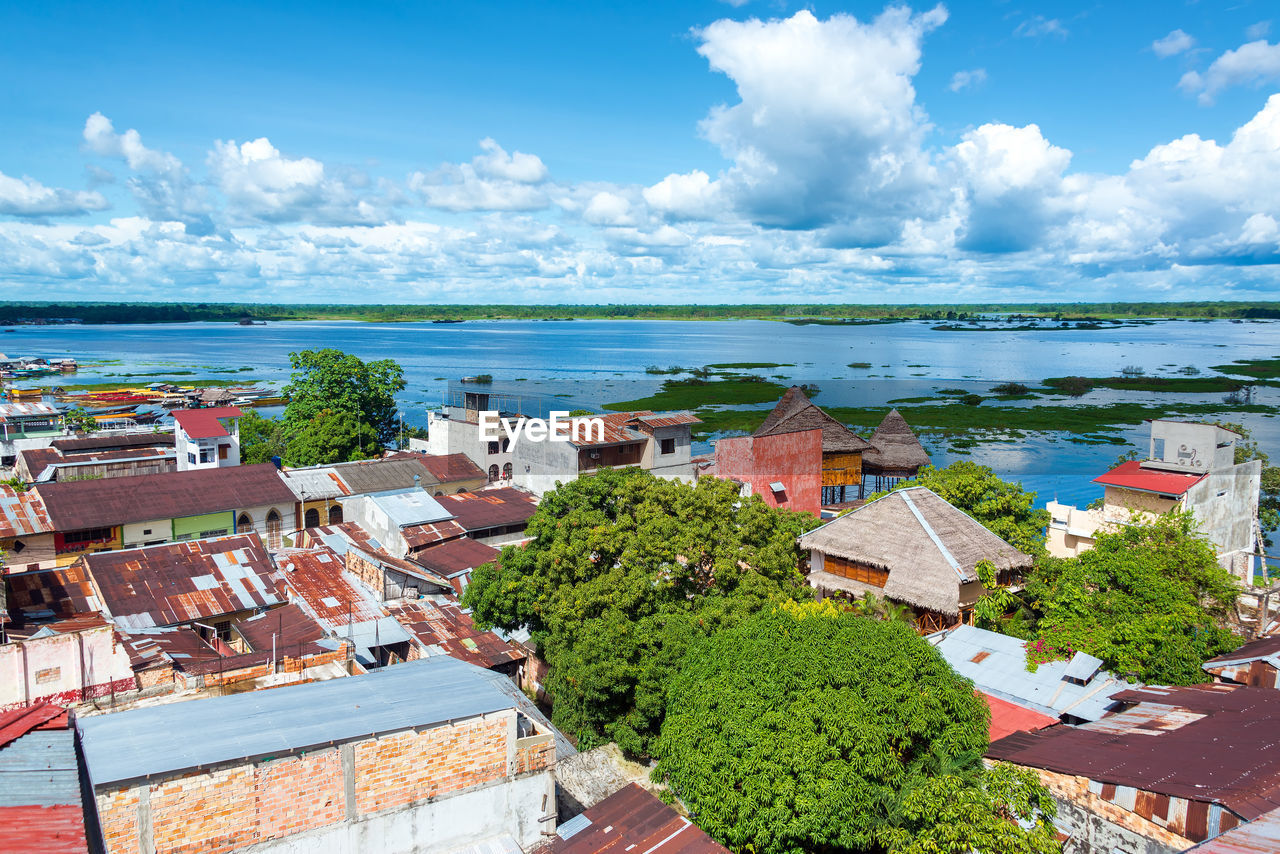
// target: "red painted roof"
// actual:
[[203, 423], [48, 830], [632, 820], [17, 723], [1131, 475], [1007, 718]]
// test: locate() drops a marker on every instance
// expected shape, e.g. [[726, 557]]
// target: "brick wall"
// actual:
[[253, 802]]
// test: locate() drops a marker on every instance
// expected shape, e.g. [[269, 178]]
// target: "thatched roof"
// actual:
[[795, 412], [928, 547], [894, 448]]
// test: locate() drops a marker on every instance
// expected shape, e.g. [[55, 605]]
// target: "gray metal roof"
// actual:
[[313, 483], [410, 507], [1003, 673], [164, 740], [39, 769]]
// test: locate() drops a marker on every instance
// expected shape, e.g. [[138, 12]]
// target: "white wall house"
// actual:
[[207, 438], [456, 430]]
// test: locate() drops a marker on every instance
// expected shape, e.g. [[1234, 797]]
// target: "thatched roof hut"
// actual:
[[928, 548], [895, 451], [796, 412]]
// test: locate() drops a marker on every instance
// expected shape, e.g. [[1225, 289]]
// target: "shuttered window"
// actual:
[[855, 571]]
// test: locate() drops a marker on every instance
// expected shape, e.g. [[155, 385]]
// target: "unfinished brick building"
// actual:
[[427, 754]]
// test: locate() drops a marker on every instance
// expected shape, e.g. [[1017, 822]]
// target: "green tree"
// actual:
[[809, 728], [1269, 499], [261, 438], [1005, 508], [1150, 600], [334, 380], [80, 420], [330, 437], [623, 572]]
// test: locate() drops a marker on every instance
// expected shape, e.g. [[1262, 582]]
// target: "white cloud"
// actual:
[[606, 208], [1174, 43], [27, 197], [1260, 30], [1038, 26], [492, 181], [827, 128], [971, 79], [1255, 63], [160, 183], [690, 196]]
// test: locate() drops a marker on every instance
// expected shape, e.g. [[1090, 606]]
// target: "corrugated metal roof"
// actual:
[[616, 430], [441, 625], [1002, 672], [381, 475], [319, 581], [177, 583], [313, 484], [47, 830], [421, 536], [1131, 475], [633, 820], [455, 556], [1210, 743], [1007, 717], [413, 506], [450, 468], [64, 591], [205, 423], [22, 513], [114, 441], [40, 798], [490, 508], [669, 419], [80, 504], [10, 411], [163, 740], [1260, 836]]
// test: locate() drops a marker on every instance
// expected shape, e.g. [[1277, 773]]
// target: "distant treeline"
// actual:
[[117, 312]]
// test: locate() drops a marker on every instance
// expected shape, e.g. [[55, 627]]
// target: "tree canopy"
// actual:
[[1005, 508], [1150, 600], [337, 381], [624, 571], [809, 728]]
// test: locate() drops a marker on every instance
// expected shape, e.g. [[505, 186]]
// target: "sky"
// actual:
[[665, 152]]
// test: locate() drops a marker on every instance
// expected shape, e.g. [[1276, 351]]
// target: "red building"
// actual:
[[785, 469]]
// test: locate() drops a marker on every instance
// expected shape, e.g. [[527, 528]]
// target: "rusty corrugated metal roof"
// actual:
[[171, 647], [65, 591], [669, 419], [26, 410], [80, 504], [420, 536], [633, 820], [455, 556], [1260, 836], [333, 596], [440, 624], [179, 583], [293, 630], [490, 508], [449, 468], [22, 513], [1211, 743]]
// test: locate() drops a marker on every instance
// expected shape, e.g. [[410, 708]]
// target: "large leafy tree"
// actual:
[[1150, 600], [1005, 508], [624, 571], [261, 438], [330, 379], [809, 728], [330, 437]]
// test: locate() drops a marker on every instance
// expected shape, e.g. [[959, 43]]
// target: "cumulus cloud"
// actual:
[[689, 196], [1260, 30], [27, 197], [160, 183], [1174, 43], [1255, 63], [971, 79], [827, 128], [606, 208], [493, 181]]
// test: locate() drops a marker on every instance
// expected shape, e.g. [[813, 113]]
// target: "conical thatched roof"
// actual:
[[894, 448], [795, 412], [928, 547]]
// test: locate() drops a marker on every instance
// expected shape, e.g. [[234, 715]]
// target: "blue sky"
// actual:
[[664, 152]]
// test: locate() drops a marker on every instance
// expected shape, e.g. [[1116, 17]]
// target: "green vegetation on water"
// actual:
[[749, 365], [693, 393], [1263, 369], [842, 314], [1184, 384]]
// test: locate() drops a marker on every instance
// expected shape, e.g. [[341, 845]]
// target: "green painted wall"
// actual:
[[194, 526]]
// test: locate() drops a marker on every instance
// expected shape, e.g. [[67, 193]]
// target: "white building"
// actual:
[[207, 438], [1189, 467], [456, 430], [659, 443]]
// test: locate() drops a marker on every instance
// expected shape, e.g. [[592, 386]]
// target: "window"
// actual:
[[335, 514], [493, 473], [506, 445], [1157, 449], [856, 571], [506, 471], [244, 523], [311, 518], [18, 546], [668, 446], [191, 458], [273, 529], [222, 451], [493, 447], [206, 455], [88, 535]]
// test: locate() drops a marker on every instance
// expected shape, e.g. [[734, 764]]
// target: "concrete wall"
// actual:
[[36, 549], [1197, 447], [258, 516], [187, 448], [539, 466], [459, 436], [793, 459], [64, 668], [410, 791], [1225, 504], [361, 510]]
